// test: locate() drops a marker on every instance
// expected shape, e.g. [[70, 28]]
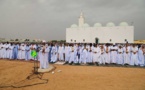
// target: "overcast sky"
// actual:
[[48, 19]]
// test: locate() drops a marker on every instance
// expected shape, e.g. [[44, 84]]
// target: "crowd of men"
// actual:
[[99, 54]]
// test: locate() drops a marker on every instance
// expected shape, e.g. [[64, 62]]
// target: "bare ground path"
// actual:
[[73, 77]]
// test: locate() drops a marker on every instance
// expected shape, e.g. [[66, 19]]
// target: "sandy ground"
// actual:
[[72, 77]]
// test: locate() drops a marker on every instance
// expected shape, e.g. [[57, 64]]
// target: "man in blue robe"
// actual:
[[49, 53], [15, 51]]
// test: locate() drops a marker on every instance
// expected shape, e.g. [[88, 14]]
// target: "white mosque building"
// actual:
[[84, 33]]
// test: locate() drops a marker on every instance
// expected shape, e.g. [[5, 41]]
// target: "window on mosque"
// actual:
[[83, 40], [110, 40], [125, 40], [75, 40], [71, 40]]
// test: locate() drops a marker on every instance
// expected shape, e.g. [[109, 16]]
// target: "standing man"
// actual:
[[102, 56], [23, 52], [85, 54], [127, 54], [11, 51], [1, 50], [27, 53], [32, 47], [44, 57], [134, 55], [15, 51], [114, 50], [90, 54], [141, 55], [67, 52], [96, 54], [19, 51], [120, 55], [72, 55], [107, 54], [49, 53], [61, 52], [77, 51], [53, 54], [7, 50]]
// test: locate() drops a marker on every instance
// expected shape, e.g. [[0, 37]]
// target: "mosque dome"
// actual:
[[123, 24], [110, 24], [86, 25], [74, 26], [97, 25]]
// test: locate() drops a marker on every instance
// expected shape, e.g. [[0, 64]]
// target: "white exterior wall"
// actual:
[[117, 34]]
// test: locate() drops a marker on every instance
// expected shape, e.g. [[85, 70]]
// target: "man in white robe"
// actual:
[[77, 50], [44, 57], [53, 54], [19, 52], [27, 52], [32, 47], [107, 54], [11, 51], [61, 52], [96, 54], [72, 55], [141, 54], [0, 50], [120, 55], [114, 50], [127, 53], [80, 60], [4, 51], [67, 52], [85, 55], [7, 50], [134, 55], [102, 55], [90, 54], [23, 52]]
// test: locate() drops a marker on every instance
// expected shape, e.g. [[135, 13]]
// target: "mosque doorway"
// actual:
[[96, 40]]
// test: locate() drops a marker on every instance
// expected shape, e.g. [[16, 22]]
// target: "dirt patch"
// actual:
[[67, 77]]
